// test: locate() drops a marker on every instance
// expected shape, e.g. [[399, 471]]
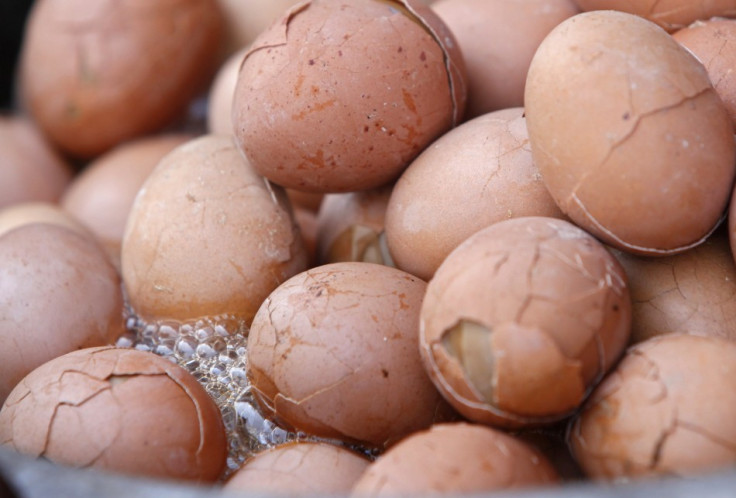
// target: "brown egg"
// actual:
[[670, 14], [27, 213], [350, 227], [31, 170], [102, 195], [667, 409], [58, 292], [713, 42], [207, 236], [453, 459], [632, 140], [333, 352], [352, 94], [310, 468], [522, 320], [478, 174], [95, 75], [498, 39], [220, 104], [691, 293], [120, 410]]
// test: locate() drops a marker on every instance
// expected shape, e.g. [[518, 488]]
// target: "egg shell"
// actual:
[[498, 39], [95, 75], [121, 410], [31, 169], [350, 227], [102, 195], [207, 235], [632, 140], [338, 97], [307, 221], [669, 14], [58, 293], [333, 352], [666, 410], [475, 175], [522, 320], [713, 42], [455, 458], [312, 468], [690, 293]]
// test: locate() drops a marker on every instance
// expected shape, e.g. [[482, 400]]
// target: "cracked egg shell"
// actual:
[[340, 96], [692, 293], [667, 409], [669, 14], [208, 236], [313, 468], [713, 42], [632, 141], [333, 352], [487, 175], [522, 319], [455, 458], [58, 292], [350, 227], [95, 75], [121, 410]]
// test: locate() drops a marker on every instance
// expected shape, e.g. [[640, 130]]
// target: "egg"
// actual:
[[690, 293], [455, 459], [119, 410], [333, 352], [95, 75], [207, 236], [246, 19], [312, 468], [521, 321], [102, 195], [477, 174], [670, 14], [59, 292], [338, 97], [633, 142], [350, 227], [666, 410], [713, 42], [498, 39], [31, 169], [220, 103]]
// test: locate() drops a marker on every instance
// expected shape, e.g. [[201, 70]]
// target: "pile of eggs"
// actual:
[[371, 246]]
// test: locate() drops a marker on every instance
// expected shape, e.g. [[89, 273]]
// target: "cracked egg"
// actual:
[[340, 96], [95, 75], [522, 319], [207, 236], [632, 141], [455, 458], [667, 409], [670, 14], [120, 410], [297, 468], [333, 352], [486, 174]]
